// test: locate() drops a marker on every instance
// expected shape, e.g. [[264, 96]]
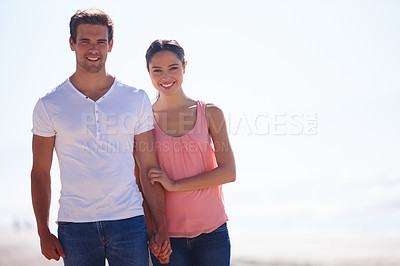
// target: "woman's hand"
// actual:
[[158, 175], [161, 252]]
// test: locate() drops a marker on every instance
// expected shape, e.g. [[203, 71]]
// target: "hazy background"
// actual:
[[310, 91]]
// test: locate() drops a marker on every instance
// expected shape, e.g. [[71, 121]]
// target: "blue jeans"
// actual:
[[121, 242], [212, 249]]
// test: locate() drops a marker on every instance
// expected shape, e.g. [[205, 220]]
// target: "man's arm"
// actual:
[[146, 209], [146, 159], [42, 148]]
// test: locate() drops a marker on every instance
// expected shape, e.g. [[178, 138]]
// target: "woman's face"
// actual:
[[166, 72]]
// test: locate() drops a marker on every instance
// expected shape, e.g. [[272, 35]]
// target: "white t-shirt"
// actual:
[[94, 144]]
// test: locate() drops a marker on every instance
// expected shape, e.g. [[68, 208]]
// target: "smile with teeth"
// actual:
[[90, 58], [167, 85]]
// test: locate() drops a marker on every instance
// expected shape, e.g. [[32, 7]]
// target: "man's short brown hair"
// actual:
[[91, 16]]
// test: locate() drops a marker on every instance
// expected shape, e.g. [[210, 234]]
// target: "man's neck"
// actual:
[[93, 85]]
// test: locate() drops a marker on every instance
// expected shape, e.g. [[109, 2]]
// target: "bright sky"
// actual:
[[275, 67]]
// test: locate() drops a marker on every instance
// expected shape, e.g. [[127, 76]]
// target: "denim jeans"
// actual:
[[121, 242], [212, 249]]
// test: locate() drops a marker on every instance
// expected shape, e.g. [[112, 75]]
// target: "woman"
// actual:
[[196, 158]]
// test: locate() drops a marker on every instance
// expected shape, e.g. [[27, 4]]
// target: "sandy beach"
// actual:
[[21, 247]]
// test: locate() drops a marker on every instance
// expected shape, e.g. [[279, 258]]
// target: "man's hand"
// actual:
[[51, 247], [160, 247]]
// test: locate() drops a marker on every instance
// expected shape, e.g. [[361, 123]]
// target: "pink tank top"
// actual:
[[190, 213]]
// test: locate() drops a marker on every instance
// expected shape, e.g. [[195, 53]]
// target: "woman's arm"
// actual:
[[225, 172]]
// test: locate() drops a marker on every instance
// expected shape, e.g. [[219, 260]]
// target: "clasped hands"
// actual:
[[160, 249]]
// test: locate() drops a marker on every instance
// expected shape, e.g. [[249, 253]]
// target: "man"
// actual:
[[95, 123]]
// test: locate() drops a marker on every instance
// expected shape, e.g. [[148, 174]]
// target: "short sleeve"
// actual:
[[41, 122], [145, 121]]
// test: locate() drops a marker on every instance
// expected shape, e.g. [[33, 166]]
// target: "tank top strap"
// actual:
[[201, 107], [201, 120]]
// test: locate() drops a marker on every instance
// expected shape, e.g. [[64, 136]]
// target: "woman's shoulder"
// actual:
[[214, 113], [213, 109]]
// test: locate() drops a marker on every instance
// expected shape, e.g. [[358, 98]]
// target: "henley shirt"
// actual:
[[94, 143]]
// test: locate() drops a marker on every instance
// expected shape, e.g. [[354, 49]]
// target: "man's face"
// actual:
[[91, 47]]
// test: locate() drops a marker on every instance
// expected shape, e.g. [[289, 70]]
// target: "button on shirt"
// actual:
[[94, 144]]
